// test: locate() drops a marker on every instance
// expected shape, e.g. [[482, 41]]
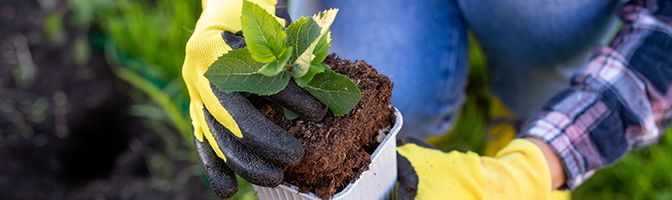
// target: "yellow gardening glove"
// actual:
[[519, 171], [231, 135]]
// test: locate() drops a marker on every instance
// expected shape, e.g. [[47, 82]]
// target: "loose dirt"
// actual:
[[338, 149]]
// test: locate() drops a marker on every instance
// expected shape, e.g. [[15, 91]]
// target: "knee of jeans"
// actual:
[[431, 109], [429, 88], [373, 29], [554, 31]]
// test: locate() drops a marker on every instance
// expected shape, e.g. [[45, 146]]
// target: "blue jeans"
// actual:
[[532, 48]]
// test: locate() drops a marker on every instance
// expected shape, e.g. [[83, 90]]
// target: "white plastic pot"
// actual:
[[376, 183]]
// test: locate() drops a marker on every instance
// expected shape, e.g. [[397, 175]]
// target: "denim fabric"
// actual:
[[421, 46], [532, 47]]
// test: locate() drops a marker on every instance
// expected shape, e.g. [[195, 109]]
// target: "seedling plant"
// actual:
[[275, 55]]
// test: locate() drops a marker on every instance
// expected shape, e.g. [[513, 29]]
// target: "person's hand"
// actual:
[[231, 135], [519, 171]]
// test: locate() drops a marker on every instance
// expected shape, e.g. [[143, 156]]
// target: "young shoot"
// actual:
[[275, 55]]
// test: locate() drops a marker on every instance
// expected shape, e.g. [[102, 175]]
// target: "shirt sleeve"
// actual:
[[620, 100]]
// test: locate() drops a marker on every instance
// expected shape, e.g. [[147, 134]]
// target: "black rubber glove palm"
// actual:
[[231, 135]]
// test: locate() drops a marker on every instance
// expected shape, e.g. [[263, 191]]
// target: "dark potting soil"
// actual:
[[337, 149]]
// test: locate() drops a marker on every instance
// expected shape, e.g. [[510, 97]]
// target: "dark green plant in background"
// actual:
[[145, 41]]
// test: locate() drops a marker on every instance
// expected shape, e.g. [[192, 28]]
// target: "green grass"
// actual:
[[641, 174], [146, 39]]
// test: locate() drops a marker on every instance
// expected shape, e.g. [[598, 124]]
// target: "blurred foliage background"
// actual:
[[144, 41]]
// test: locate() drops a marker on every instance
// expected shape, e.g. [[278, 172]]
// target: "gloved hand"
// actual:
[[519, 171], [231, 135]]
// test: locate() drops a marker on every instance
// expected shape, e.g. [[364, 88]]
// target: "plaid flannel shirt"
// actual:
[[620, 100]]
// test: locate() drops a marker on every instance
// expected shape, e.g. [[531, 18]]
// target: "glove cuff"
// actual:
[[527, 168]]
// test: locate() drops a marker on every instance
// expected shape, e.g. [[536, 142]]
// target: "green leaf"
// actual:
[[297, 72], [300, 34], [275, 67], [263, 34], [289, 114], [335, 91], [323, 19], [322, 49], [237, 71], [312, 71]]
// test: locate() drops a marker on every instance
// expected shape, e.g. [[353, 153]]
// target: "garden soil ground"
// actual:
[[338, 148], [66, 131]]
